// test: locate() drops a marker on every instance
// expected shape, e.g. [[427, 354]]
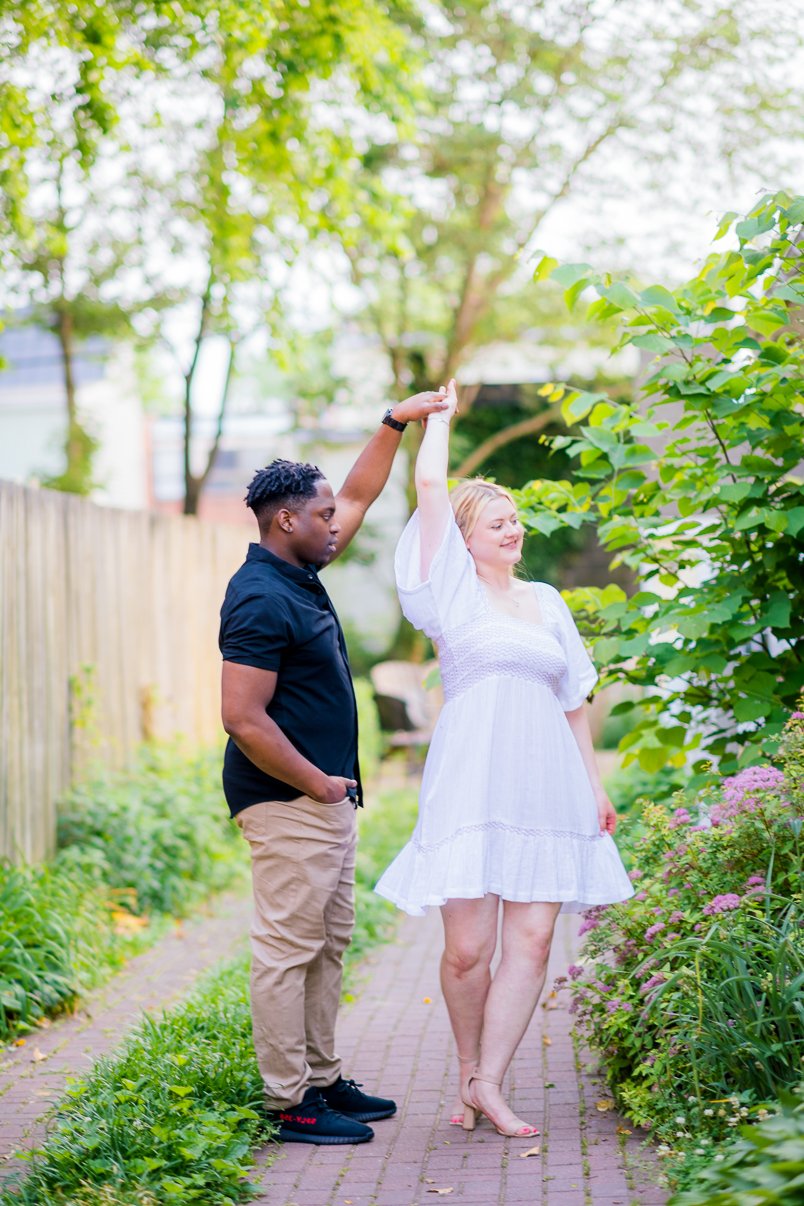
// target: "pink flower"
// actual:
[[574, 971], [653, 930], [635, 874], [797, 716], [641, 896], [740, 791], [722, 904], [677, 916], [653, 982]]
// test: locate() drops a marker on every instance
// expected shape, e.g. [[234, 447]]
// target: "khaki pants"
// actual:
[[303, 874]]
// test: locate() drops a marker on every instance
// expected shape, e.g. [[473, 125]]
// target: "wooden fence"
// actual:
[[108, 635]]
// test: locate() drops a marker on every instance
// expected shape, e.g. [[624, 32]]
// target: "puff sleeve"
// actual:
[[449, 595], [580, 675]]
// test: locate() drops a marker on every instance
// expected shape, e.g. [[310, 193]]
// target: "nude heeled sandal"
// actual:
[[470, 1111], [457, 1119]]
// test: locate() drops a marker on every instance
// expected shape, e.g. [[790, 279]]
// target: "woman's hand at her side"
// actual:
[[605, 812]]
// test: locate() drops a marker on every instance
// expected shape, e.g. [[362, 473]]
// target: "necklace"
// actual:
[[508, 594]]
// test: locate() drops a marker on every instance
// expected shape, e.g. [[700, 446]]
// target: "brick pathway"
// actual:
[[396, 1038], [397, 1043], [33, 1077]]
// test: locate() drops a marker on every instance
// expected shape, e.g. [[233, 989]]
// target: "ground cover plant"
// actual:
[[134, 847], [765, 1166], [174, 1116], [693, 991]]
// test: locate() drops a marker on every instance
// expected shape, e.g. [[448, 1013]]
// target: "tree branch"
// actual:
[[508, 434]]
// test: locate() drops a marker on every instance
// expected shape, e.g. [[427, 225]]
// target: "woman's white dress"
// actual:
[[506, 805]]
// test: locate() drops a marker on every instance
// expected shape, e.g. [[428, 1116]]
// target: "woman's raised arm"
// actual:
[[431, 480]]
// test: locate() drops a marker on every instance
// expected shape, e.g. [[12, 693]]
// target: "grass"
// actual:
[[134, 848], [174, 1116]]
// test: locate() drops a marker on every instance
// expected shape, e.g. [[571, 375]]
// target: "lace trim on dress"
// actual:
[[519, 830]]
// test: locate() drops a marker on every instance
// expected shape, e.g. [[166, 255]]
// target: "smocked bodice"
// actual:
[[498, 645]]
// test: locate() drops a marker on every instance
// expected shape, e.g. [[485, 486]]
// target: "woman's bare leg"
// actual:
[[527, 935], [470, 936]]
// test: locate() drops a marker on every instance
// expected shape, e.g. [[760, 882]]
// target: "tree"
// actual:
[[55, 113], [700, 493], [529, 105], [241, 123]]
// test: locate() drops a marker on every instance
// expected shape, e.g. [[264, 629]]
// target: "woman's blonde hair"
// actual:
[[470, 497]]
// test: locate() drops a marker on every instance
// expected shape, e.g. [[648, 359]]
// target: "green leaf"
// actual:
[[734, 491], [653, 342], [777, 612], [571, 274], [749, 708], [657, 295], [795, 520], [577, 405], [724, 225], [544, 267], [795, 212], [620, 295]]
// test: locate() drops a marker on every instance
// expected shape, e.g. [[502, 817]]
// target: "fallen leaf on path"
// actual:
[[429, 1180], [604, 1105], [42, 1023], [551, 1002], [546, 1040], [427, 1001], [448, 1189], [19, 1042], [549, 1084], [126, 923], [37, 1056], [533, 1151], [623, 1130]]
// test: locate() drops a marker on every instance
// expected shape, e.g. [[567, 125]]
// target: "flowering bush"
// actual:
[[693, 990]]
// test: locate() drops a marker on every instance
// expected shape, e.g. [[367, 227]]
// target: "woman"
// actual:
[[512, 809]]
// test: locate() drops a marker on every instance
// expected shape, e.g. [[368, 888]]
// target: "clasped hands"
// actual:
[[442, 403]]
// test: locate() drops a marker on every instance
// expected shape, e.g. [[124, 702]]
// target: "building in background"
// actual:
[[33, 415]]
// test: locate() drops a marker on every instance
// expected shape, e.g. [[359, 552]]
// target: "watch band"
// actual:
[[389, 421]]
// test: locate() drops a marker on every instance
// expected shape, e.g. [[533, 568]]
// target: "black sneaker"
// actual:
[[314, 1121], [346, 1097]]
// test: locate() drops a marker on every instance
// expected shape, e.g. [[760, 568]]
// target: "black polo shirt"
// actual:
[[279, 617]]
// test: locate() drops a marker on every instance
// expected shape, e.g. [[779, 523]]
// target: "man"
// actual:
[[292, 780]]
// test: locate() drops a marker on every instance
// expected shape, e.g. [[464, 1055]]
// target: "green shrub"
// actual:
[[153, 840], [764, 1167], [60, 936], [370, 735], [692, 990], [385, 825], [158, 835]]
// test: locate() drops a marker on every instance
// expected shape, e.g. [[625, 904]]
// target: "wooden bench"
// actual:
[[408, 709]]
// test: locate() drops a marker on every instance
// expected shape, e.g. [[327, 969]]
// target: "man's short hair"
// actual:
[[282, 484]]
